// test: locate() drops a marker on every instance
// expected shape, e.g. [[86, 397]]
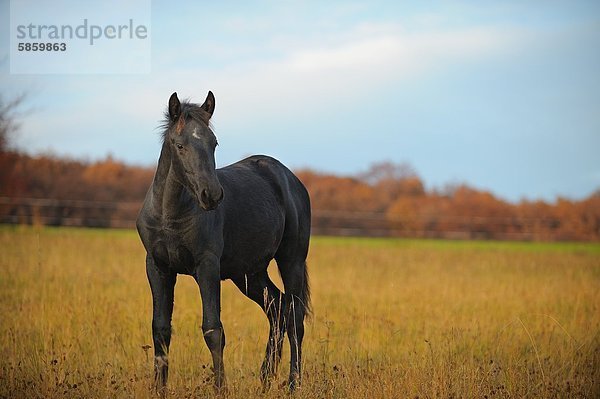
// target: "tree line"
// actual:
[[391, 200], [387, 200]]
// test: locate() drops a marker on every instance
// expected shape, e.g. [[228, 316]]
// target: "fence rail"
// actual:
[[66, 212]]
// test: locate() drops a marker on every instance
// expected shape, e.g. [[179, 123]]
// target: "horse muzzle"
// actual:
[[209, 201]]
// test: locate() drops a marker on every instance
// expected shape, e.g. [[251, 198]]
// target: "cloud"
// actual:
[[342, 70], [323, 73]]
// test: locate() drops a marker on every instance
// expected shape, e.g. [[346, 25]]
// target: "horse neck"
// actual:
[[166, 190]]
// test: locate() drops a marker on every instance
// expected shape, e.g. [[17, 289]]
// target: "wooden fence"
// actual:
[[63, 212]]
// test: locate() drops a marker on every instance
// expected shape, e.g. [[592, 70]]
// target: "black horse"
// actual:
[[224, 224]]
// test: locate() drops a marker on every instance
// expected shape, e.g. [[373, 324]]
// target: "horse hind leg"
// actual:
[[297, 300], [261, 290], [274, 305]]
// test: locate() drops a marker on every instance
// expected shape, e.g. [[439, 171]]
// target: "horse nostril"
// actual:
[[221, 196], [204, 197]]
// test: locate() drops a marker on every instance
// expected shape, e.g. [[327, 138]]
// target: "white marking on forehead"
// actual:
[[195, 134]]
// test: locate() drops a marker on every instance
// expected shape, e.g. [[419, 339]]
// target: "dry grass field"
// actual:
[[392, 319]]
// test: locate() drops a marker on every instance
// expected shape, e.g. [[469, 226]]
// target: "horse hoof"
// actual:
[[162, 392], [293, 382], [266, 378], [266, 386], [221, 388]]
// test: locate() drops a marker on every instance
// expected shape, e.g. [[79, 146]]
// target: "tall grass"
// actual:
[[392, 319]]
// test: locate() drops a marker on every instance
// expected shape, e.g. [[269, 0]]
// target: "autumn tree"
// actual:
[[8, 120]]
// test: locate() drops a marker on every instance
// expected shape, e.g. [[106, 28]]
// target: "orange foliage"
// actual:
[[400, 206], [57, 191], [388, 199]]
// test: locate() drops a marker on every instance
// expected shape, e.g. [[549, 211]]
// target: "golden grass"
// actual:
[[392, 319]]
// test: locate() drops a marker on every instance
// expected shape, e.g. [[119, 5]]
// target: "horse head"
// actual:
[[193, 144]]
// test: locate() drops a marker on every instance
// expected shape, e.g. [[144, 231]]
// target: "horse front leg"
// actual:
[[162, 285], [208, 277]]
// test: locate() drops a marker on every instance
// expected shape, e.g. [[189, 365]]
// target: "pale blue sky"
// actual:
[[504, 96]]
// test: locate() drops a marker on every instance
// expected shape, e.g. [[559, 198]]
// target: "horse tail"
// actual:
[[305, 293]]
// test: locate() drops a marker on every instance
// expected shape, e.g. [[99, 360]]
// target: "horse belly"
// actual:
[[249, 248]]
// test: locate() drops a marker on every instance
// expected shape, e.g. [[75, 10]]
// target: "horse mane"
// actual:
[[189, 110]]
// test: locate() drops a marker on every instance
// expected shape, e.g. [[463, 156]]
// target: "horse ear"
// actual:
[[174, 107], [209, 104]]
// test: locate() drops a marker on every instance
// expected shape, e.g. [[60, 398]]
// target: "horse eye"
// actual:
[[179, 146]]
